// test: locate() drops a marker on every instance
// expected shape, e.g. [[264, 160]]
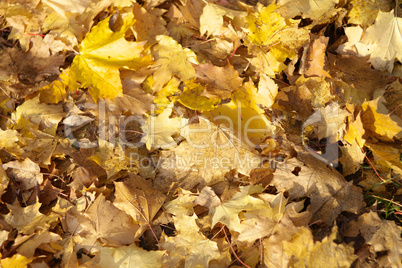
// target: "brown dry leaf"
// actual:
[[43, 241], [107, 223], [307, 176], [356, 71], [208, 152], [393, 97], [139, 199], [28, 219], [48, 193], [38, 115], [352, 158], [296, 99], [273, 253], [219, 81], [26, 173], [40, 146], [148, 23], [313, 60], [190, 248], [381, 235], [306, 8], [23, 72], [364, 12]]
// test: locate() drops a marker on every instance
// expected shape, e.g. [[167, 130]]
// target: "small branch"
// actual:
[[234, 253]]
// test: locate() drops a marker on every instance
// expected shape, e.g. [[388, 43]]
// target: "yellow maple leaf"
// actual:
[[16, 260], [129, 256], [192, 98], [228, 212], [381, 41], [102, 53], [307, 253], [191, 247], [172, 59], [377, 121], [159, 129], [55, 92]]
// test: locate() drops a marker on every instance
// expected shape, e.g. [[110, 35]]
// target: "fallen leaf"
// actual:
[[129, 256], [305, 8], [327, 189], [378, 122], [172, 59], [28, 219], [381, 41], [107, 223], [139, 199], [381, 236], [26, 173], [305, 252], [313, 60], [364, 12], [102, 53], [159, 129], [190, 247]]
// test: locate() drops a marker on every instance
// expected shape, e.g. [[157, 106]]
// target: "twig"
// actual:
[[234, 253]]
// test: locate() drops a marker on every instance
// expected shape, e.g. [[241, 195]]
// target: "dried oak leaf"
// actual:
[[307, 176]]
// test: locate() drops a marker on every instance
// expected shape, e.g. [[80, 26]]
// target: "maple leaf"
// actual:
[[377, 121], [306, 8], [26, 172], [107, 223], [190, 247], [303, 176], [228, 212], [207, 154], [192, 98], [386, 157], [17, 260], [112, 158], [128, 256], [381, 41], [28, 219], [307, 253], [38, 241], [102, 53], [38, 115], [313, 60], [159, 129], [218, 81], [211, 19], [172, 59], [139, 199], [380, 235], [364, 12]]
